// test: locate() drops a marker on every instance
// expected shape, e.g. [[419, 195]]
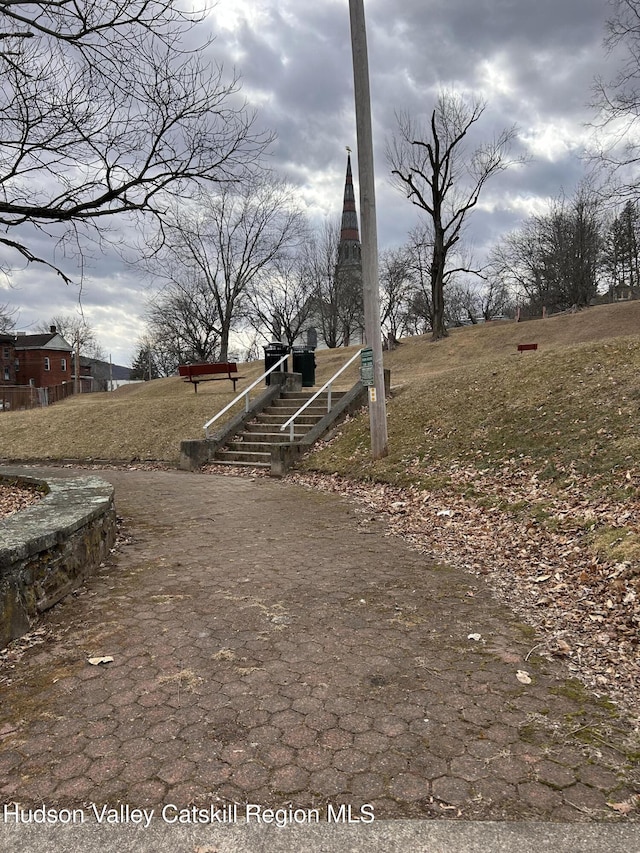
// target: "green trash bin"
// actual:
[[304, 362]]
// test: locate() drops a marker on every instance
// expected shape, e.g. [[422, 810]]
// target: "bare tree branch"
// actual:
[[104, 113]]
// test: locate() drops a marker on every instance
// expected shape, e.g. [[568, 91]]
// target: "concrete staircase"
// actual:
[[251, 447]]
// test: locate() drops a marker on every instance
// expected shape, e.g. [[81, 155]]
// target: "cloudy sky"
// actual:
[[533, 63]]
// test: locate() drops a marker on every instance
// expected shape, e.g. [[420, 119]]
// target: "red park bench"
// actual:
[[196, 373], [523, 347]]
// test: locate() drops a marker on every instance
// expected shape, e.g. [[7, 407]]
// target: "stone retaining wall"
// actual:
[[48, 550]]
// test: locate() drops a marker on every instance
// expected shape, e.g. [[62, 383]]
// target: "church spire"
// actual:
[[348, 272], [349, 228]]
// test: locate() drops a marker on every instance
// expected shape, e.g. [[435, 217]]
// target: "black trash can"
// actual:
[[273, 352], [304, 362]]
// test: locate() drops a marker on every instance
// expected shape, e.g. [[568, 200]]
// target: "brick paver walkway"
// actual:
[[269, 648]]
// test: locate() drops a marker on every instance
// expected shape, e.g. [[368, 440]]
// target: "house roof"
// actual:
[[49, 341]]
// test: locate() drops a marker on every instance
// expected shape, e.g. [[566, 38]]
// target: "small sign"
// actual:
[[372, 394], [366, 366]]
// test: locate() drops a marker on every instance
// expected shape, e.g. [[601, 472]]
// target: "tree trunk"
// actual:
[[438, 328], [224, 342]]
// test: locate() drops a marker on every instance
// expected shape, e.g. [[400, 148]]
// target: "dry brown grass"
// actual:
[[148, 421]]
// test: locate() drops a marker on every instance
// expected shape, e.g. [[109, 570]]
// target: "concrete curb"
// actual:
[[401, 836]]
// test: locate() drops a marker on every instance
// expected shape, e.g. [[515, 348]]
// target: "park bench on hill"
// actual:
[[196, 373]]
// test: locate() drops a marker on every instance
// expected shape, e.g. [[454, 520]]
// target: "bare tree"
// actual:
[[183, 324], [338, 306], [621, 249], [495, 300], [76, 330], [462, 304], [553, 260], [7, 317], [397, 288], [419, 253], [283, 302], [321, 259], [105, 112], [226, 244], [616, 147], [431, 165]]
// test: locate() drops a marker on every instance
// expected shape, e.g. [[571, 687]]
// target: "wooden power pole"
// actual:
[[369, 241]]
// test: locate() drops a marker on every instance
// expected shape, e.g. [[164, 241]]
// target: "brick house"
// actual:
[[42, 360], [7, 360]]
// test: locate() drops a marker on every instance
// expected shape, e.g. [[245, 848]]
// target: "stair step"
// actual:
[[278, 420], [238, 464], [237, 456], [272, 431], [297, 395], [266, 437], [260, 446], [286, 411], [295, 403]]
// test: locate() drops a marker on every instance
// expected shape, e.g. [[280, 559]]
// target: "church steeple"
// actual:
[[349, 251]]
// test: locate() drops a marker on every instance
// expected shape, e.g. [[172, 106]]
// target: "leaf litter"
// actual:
[[583, 601]]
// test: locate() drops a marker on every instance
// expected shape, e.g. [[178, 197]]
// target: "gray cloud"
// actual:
[[533, 62]]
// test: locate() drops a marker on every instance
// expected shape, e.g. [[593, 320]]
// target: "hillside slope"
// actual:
[[148, 421]]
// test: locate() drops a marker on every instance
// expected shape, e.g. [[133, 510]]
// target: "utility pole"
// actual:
[[369, 241]]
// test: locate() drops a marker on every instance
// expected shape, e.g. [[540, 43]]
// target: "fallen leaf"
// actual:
[[582, 595], [625, 807], [523, 676], [96, 661]]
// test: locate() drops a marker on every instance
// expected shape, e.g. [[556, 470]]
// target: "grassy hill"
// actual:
[[575, 403], [471, 395]]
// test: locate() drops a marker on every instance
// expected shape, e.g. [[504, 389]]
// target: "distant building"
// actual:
[[616, 293], [42, 360], [98, 375], [37, 370]]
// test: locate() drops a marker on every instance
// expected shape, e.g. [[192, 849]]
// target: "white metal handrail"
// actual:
[[291, 422], [244, 394]]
